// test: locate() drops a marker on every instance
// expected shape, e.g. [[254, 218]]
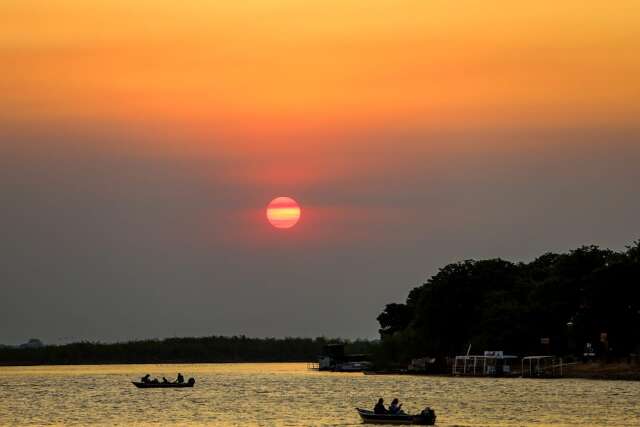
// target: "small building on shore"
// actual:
[[334, 358]]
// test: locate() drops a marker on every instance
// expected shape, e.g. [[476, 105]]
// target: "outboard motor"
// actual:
[[428, 416]]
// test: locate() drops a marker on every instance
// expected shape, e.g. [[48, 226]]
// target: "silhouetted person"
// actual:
[[379, 408], [155, 381], [145, 379], [165, 381], [180, 378], [191, 381], [395, 408]]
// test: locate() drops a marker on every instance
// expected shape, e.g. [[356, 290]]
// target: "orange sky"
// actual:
[[141, 140], [272, 66]]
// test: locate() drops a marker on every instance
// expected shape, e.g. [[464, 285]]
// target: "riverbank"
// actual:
[[593, 371], [609, 371]]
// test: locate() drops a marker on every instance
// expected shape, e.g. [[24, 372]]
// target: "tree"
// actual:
[[495, 304]]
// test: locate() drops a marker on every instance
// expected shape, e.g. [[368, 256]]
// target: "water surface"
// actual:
[[286, 394]]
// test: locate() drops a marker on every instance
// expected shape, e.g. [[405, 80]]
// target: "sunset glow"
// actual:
[[141, 143], [300, 64], [283, 212]]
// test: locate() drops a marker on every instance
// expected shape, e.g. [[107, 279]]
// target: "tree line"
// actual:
[[179, 350], [555, 304]]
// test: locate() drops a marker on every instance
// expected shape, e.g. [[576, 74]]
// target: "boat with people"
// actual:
[[426, 418], [147, 382], [164, 385]]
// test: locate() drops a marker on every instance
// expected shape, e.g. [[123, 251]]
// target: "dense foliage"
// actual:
[[555, 304], [205, 349]]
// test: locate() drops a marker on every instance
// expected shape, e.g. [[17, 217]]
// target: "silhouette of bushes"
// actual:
[[178, 350]]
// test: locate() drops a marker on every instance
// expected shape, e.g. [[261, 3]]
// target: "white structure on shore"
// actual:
[[542, 366], [491, 363]]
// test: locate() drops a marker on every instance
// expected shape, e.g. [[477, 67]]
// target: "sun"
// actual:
[[283, 212]]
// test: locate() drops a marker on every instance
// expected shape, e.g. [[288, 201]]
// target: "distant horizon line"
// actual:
[[231, 336]]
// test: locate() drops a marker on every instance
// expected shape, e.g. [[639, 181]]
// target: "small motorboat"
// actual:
[[426, 418], [140, 384]]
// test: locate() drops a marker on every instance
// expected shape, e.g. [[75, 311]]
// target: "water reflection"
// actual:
[[290, 395]]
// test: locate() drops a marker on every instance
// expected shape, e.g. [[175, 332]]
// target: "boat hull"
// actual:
[[369, 417], [161, 385]]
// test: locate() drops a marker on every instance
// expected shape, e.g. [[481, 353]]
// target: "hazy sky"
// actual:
[[140, 143]]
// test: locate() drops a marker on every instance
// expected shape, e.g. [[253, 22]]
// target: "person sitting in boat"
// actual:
[[395, 407], [180, 378], [155, 381], [379, 408], [145, 379], [165, 381]]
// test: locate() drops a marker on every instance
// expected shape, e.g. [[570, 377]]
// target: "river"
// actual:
[[288, 394]]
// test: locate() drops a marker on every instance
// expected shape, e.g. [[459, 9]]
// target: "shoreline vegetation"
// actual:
[[213, 349], [582, 306]]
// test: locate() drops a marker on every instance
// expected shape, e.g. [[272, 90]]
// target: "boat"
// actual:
[[425, 418], [352, 367], [163, 385]]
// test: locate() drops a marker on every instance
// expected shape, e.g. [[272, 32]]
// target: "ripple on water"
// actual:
[[290, 395]]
